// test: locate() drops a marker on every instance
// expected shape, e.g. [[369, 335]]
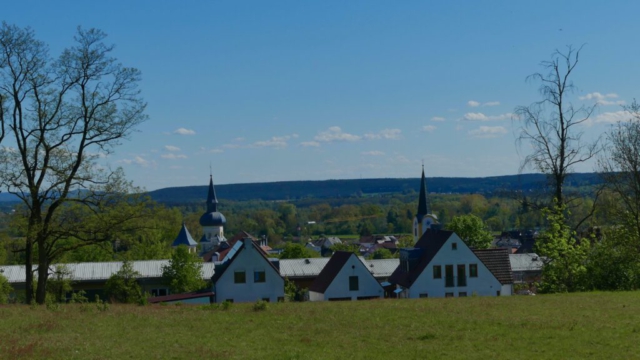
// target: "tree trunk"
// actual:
[[43, 273], [28, 268]]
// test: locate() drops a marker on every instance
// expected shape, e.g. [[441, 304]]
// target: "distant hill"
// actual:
[[290, 190]]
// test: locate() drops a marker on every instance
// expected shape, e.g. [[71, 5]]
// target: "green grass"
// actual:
[[590, 325]]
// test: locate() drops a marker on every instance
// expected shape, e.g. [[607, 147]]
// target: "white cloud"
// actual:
[[172, 156], [612, 117], [389, 134], [472, 103], [183, 131], [335, 133], [216, 151], [137, 160], [310, 143], [601, 99], [239, 139], [428, 128], [482, 117], [491, 103], [488, 131], [171, 148], [373, 153], [276, 142], [437, 118], [402, 159], [230, 146]]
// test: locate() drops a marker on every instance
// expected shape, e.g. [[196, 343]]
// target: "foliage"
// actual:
[[5, 289], [101, 305], [565, 256], [297, 251], [472, 230], [292, 292], [614, 262], [260, 305], [354, 248], [123, 287], [382, 254], [226, 305], [59, 284], [184, 271]]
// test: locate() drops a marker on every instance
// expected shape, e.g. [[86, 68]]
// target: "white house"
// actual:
[[345, 277], [442, 265], [247, 275]]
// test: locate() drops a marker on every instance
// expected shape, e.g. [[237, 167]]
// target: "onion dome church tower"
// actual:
[[212, 222], [424, 218]]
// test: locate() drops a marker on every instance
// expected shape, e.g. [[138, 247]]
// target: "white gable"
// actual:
[[368, 286]]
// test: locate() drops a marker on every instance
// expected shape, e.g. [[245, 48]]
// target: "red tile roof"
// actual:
[[497, 261]]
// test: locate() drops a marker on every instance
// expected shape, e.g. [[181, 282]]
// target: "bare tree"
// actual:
[[619, 166], [551, 126], [63, 114]]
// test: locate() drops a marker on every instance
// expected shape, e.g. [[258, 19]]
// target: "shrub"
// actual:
[[123, 287], [226, 305], [5, 289], [260, 305]]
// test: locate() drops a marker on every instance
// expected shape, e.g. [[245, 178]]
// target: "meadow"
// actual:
[[584, 325]]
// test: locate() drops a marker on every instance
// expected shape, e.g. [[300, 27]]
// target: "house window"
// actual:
[[425, 295], [448, 295], [454, 246], [239, 277], [473, 270], [353, 283], [259, 277], [462, 294], [449, 278], [437, 272], [462, 276], [498, 293]]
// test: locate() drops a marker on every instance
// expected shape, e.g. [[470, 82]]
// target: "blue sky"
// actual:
[[302, 90]]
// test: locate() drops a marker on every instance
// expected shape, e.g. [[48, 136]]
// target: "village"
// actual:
[[244, 268]]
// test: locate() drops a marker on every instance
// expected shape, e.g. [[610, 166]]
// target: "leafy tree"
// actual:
[[297, 251], [472, 230], [565, 257], [614, 262], [552, 126], [5, 289], [63, 115], [123, 286], [382, 254], [293, 292], [184, 271], [60, 284]]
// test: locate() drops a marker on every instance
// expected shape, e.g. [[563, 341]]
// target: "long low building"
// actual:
[[92, 276], [304, 271]]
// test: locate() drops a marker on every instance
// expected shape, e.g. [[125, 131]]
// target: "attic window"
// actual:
[[307, 261], [454, 246]]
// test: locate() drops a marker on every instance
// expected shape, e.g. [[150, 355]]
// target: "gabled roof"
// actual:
[[430, 242], [184, 238], [497, 261], [232, 252], [330, 271]]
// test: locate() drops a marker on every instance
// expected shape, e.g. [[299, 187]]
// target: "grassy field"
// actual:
[[594, 325]]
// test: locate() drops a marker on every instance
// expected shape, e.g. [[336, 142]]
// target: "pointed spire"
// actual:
[[423, 203], [212, 200]]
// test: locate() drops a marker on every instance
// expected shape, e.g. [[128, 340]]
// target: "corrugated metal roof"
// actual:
[[525, 262], [302, 267], [313, 266], [95, 271]]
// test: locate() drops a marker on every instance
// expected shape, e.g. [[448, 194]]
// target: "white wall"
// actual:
[[249, 260], [484, 285], [339, 288]]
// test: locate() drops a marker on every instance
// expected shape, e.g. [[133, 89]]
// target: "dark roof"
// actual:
[[212, 217], [184, 238], [176, 297], [330, 271], [430, 242], [423, 202], [527, 246], [497, 261]]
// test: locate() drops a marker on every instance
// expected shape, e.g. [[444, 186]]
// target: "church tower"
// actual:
[[212, 222], [424, 218]]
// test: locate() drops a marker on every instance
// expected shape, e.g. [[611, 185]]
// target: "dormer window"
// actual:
[[454, 246]]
